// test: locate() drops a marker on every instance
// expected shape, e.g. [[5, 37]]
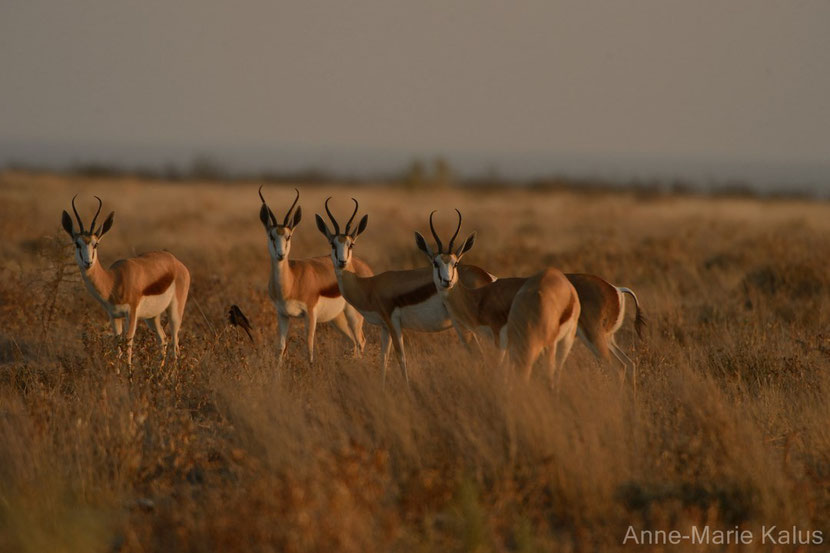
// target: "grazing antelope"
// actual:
[[307, 288], [543, 316], [140, 287], [602, 313], [602, 305], [393, 300]]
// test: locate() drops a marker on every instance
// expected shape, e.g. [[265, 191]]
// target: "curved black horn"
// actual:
[[100, 204], [333, 221], [290, 209], [270, 213], [77, 217], [349, 223], [435, 234], [449, 248]]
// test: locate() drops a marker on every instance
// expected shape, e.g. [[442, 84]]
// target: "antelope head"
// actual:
[[444, 263], [279, 235], [341, 242], [86, 241]]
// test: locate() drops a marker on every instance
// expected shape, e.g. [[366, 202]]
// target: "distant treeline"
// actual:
[[419, 174]]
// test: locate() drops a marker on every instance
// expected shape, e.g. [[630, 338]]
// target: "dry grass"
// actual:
[[731, 425]]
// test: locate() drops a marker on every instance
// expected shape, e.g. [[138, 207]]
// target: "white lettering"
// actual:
[[699, 536], [674, 537], [630, 534]]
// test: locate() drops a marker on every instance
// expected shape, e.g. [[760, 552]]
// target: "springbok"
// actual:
[[393, 300], [307, 287], [602, 305], [544, 316], [483, 308], [602, 314], [140, 287]]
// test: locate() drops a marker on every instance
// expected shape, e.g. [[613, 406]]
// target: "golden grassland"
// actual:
[[730, 425]]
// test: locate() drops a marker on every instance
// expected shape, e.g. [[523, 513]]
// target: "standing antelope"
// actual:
[[140, 287], [307, 287], [473, 309], [543, 316], [393, 300], [602, 305]]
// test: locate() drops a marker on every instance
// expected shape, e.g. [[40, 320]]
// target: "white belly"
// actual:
[[428, 316], [152, 306], [329, 308]]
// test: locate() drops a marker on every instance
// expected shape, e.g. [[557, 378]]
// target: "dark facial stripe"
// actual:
[[415, 296], [158, 287]]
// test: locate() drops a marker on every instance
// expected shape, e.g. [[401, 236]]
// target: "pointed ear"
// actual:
[[361, 227], [103, 229], [298, 215], [66, 221], [264, 216], [321, 226], [422, 245], [465, 247]]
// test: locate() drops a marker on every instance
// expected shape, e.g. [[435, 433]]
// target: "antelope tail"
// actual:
[[639, 319]]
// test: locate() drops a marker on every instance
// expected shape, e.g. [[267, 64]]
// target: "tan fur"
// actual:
[[602, 315], [127, 281], [544, 315], [385, 292], [308, 280], [485, 306], [391, 289], [306, 288]]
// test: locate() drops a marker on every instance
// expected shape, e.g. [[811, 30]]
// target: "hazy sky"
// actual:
[[733, 81]]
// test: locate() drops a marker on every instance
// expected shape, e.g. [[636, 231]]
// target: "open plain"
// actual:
[[730, 425]]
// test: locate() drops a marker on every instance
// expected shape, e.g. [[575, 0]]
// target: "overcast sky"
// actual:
[[502, 83]]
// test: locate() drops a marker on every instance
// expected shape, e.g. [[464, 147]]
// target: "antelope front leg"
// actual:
[[310, 329], [385, 344], [461, 337], [398, 343], [155, 326], [132, 324], [282, 325], [117, 329]]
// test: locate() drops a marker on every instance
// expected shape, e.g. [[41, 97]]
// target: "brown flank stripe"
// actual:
[[415, 296], [566, 314], [331, 292], [158, 287]]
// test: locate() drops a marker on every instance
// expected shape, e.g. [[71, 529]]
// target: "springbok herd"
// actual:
[[525, 316]]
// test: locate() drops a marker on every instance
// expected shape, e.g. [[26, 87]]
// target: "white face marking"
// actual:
[[445, 271], [86, 250], [341, 250], [279, 242]]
